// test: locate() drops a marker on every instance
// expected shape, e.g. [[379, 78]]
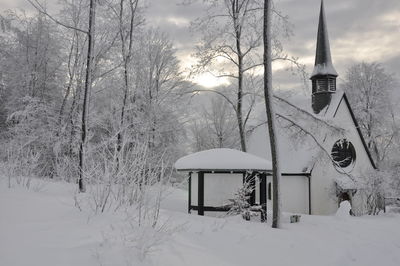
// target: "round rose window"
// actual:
[[343, 153]]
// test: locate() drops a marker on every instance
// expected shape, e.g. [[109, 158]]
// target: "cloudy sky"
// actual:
[[359, 30]]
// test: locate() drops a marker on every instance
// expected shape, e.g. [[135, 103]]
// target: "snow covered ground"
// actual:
[[42, 227]]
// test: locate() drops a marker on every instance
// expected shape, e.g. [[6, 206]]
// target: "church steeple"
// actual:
[[324, 75]]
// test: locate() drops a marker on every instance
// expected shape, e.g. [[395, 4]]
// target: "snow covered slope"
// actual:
[[45, 229]]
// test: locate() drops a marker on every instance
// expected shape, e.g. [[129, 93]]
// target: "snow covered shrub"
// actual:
[[18, 165], [240, 203], [125, 179], [137, 191], [147, 231], [66, 168], [394, 180], [137, 242], [32, 134], [373, 186], [146, 239]]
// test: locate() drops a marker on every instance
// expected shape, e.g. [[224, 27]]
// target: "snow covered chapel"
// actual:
[[311, 184], [323, 155]]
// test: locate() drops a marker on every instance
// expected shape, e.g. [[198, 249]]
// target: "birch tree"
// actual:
[[276, 174]]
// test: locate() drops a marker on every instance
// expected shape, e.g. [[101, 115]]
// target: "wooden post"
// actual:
[[384, 204], [309, 195], [190, 192], [253, 192], [200, 193], [263, 197]]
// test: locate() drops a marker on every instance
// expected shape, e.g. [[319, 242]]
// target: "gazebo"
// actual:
[[215, 175]]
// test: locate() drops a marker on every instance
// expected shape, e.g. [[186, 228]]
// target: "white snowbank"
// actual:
[[222, 159], [344, 209], [45, 229]]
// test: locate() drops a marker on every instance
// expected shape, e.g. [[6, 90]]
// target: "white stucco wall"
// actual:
[[294, 194], [323, 190], [343, 117], [323, 196]]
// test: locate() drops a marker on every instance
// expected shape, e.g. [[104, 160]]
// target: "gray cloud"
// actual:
[[366, 30], [360, 30]]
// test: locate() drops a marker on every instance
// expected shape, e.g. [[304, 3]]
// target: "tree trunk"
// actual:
[[276, 174], [239, 106], [126, 55], [88, 86], [122, 118], [71, 73]]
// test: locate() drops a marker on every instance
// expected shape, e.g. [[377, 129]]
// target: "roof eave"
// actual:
[[223, 170], [344, 96]]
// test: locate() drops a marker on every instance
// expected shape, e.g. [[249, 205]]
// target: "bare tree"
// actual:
[[231, 49], [369, 88], [74, 56], [31, 77], [216, 127], [88, 79], [125, 31], [276, 174]]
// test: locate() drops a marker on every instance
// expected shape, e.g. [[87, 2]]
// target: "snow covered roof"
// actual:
[[324, 69], [298, 154], [222, 159], [295, 157], [345, 182]]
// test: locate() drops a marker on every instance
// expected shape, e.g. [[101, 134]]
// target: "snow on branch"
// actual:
[[293, 123], [313, 117], [40, 8]]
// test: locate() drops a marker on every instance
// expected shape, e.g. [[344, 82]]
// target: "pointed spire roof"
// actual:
[[323, 61]]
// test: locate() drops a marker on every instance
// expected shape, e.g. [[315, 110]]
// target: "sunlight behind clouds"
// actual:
[[207, 80], [178, 21]]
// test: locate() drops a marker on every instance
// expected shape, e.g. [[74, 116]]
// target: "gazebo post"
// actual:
[[253, 186], [190, 192], [200, 193], [263, 196]]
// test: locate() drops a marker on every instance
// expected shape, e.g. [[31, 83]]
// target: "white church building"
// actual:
[[319, 169], [313, 182]]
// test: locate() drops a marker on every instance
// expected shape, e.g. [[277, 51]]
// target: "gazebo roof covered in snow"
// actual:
[[222, 160]]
